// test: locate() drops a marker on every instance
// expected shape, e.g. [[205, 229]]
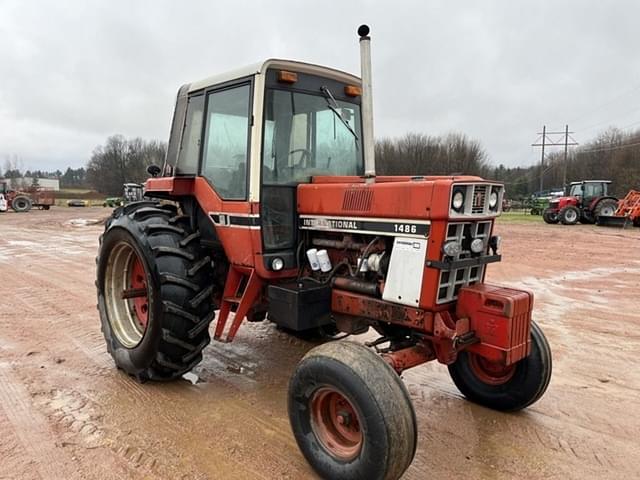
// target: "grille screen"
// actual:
[[452, 281], [357, 200]]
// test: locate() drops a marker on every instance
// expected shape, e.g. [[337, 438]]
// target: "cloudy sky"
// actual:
[[74, 72]]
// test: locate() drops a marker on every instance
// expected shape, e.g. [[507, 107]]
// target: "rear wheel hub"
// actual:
[[126, 295]]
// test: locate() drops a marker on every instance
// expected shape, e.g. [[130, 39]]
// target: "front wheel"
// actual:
[[569, 215], [505, 388], [550, 216], [351, 414]]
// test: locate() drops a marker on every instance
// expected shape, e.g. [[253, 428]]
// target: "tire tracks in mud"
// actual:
[[73, 329], [32, 430]]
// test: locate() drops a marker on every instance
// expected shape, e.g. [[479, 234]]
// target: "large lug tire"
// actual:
[[569, 215], [21, 204], [605, 208], [505, 388], [550, 216], [151, 252], [351, 414]]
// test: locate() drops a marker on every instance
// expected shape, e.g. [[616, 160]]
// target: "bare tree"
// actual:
[[120, 161], [421, 154]]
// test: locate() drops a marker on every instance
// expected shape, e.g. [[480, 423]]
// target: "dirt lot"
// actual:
[[67, 413]]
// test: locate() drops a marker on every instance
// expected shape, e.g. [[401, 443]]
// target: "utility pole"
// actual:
[[544, 136], [566, 145], [553, 139]]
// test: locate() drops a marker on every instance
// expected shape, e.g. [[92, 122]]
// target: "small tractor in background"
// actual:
[[268, 205], [587, 200], [131, 192], [25, 199], [538, 202], [627, 213]]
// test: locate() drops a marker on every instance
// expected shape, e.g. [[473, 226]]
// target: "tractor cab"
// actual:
[[586, 191]]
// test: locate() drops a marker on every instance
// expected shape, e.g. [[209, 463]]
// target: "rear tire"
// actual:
[[605, 208], [158, 334], [550, 216], [512, 389], [21, 204], [569, 215], [351, 414]]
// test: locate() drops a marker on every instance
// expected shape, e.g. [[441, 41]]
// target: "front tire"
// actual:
[[351, 414], [569, 215], [550, 216], [506, 389], [154, 291]]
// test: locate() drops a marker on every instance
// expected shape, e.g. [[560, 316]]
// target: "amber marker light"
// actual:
[[353, 90], [287, 77]]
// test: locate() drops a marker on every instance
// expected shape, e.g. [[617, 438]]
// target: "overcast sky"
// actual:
[[74, 72]]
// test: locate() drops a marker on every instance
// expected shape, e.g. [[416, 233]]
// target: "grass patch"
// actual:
[[509, 217]]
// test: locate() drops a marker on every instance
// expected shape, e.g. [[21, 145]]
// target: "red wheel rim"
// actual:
[[140, 299], [491, 373], [336, 424]]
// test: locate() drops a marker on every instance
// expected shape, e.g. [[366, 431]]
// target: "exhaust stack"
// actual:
[[367, 105]]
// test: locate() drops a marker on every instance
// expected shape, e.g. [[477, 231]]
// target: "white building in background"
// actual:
[[50, 183]]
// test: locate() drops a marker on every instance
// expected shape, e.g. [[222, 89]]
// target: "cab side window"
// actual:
[[190, 146], [226, 141]]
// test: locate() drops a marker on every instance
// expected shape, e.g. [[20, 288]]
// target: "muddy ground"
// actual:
[[67, 413]]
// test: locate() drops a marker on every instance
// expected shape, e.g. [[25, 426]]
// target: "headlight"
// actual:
[[493, 199], [277, 264], [452, 249], [458, 200], [477, 245]]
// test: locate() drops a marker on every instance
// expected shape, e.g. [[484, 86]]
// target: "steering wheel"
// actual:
[[305, 157]]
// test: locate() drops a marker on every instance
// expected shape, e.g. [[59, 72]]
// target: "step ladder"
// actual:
[[242, 298]]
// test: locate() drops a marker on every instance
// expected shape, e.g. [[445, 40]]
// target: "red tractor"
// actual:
[[25, 199], [587, 200], [268, 206]]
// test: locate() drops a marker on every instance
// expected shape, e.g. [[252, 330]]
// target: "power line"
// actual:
[[552, 139], [608, 121], [605, 149], [605, 104]]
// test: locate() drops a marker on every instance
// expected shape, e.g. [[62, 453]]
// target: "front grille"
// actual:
[[476, 200], [479, 198], [452, 281]]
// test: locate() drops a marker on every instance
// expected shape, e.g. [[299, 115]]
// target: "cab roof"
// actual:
[[261, 68], [591, 181]]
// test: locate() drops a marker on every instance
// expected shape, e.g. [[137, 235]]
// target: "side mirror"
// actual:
[[153, 170]]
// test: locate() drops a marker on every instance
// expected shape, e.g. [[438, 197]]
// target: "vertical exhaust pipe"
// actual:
[[367, 105]]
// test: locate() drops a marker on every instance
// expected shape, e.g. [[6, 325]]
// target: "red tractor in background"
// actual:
[[587, 200], [268, 206], [25, 199]]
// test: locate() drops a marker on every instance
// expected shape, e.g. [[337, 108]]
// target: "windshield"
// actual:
[[305, 135], [576, 190]]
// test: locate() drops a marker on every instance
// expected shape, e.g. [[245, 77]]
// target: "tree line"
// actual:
[[122, 160], [612, 155]]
